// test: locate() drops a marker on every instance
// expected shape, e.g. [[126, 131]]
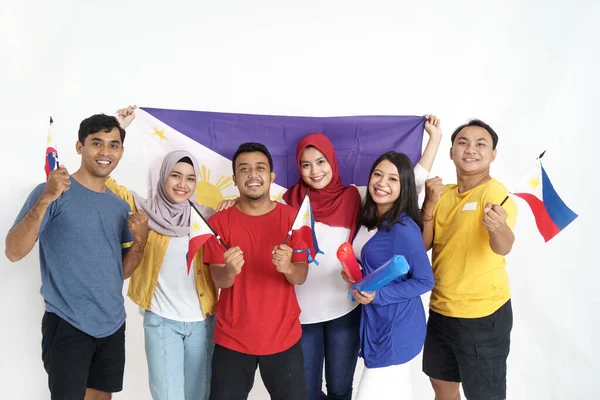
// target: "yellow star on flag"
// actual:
[[160, 134]]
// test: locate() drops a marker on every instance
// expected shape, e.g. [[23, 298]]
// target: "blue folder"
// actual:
[[393, 269]]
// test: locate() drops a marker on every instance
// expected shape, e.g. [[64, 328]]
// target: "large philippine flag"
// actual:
[[213, 138], [551, 214]]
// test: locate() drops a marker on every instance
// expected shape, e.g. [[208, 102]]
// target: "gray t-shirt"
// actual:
[[81, 257]]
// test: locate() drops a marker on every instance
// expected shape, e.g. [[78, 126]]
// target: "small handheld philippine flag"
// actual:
[[200, 232], [51, 162], [551, 214], [304, 224]]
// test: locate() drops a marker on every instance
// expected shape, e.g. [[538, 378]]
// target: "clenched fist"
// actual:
[[494, 217], [234, 259], [434, 189], [432, 125], [125, 116], [138, 225], [58, 182], [282, 258]]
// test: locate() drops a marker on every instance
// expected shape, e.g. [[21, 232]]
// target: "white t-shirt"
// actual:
[[176, 296], [362, 237], [324, 295]]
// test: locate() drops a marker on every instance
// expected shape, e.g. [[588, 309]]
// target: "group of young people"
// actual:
[[253, 299]]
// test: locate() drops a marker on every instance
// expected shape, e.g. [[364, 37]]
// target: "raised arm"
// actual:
[[22, 237], [434, 130], [434, 188]]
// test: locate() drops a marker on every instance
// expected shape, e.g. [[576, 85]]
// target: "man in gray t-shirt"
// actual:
[[86, 251]]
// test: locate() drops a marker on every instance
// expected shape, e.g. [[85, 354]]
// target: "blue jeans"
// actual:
[[179, 357], [337, 342]]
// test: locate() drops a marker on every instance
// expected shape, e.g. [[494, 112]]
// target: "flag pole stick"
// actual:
[[57, 162], [207, 224], [292, 227]]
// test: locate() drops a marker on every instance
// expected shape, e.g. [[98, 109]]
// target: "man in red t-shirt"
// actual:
[[257, 321]]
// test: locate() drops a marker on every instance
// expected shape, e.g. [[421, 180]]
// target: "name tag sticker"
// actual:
[[470, 206]]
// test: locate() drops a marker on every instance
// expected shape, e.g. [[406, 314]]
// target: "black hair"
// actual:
[[186, 160], [99, 123], [407, 201], [481, 124], [252, 147]]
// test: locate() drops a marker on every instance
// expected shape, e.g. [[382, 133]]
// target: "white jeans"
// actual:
[[393, 382]]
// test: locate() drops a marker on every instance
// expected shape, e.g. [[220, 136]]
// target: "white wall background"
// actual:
[[530, 69]]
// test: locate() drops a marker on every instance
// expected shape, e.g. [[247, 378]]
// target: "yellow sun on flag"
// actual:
[[534, 182], [211, 195], [195, 226], [306, 215], [277, 197], [299, 222]]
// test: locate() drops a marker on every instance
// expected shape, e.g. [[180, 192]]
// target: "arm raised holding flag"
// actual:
[[21, 239]]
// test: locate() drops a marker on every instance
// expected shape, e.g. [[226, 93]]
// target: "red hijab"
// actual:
[[335, 205]]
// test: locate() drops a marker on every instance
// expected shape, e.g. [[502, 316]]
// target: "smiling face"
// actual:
[[472, 150], [101, 152], [384, 185], [181, 183], [315, 169], [253, 176]]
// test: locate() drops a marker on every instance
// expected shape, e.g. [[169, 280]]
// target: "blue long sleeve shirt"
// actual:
[[392, 327]]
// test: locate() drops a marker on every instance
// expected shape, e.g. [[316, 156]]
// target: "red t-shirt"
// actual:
[[258, 315]]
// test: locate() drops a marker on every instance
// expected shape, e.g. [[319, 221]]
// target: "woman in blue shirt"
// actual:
[[392, 328]]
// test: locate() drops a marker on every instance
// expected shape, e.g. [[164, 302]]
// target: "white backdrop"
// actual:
[[530, 69]]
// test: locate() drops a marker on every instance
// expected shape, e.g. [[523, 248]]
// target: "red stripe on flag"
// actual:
[[195, 243], [545, 225], [305, 235]]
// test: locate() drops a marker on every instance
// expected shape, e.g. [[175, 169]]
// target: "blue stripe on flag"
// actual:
[[559, 212]]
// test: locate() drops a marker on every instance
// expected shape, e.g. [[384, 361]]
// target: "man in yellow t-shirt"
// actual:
[[469, 227]]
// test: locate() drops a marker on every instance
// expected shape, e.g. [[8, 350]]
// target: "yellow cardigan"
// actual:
[[142, 283]]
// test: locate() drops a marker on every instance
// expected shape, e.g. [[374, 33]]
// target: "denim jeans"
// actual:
[[337, 342], [179, 357]]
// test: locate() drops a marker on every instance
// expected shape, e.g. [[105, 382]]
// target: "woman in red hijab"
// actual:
[[330, 321]]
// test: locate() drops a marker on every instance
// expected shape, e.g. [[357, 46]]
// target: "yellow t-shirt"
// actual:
[[470, 279]]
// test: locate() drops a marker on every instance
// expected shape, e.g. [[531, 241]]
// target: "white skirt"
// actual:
[[393, 382]]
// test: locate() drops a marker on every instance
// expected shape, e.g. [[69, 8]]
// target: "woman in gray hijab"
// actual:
[[179, 304]]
